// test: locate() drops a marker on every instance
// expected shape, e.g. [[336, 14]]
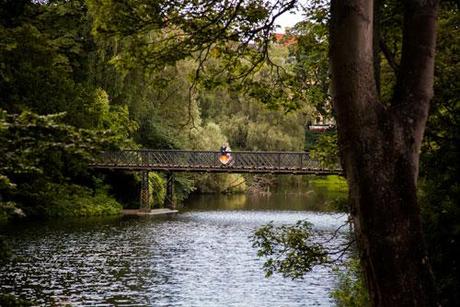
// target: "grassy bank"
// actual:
[[61, 201], [334, 185], [84, 203]]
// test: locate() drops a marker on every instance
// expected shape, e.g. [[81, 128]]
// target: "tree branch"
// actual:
[[414, 86], [389, 56]]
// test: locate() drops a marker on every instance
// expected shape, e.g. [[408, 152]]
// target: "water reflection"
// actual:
[[202, 257], [306, 201]]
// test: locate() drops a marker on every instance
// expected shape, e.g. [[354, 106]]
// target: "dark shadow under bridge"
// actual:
[[171, 161]]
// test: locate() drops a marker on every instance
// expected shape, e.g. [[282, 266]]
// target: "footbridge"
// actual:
[[171, 161]]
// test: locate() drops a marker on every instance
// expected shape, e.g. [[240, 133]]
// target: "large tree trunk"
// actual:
[[380, 147]]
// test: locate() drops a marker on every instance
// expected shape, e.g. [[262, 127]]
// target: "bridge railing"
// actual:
[[184, 160]]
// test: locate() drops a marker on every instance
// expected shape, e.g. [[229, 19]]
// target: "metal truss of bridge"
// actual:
[[208, 161], [171, 161]]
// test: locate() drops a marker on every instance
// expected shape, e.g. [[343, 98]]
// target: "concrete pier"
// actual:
[[140, 212]]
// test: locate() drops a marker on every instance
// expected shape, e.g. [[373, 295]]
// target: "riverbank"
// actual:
[[151, 212], [77, 203], [328, 193]]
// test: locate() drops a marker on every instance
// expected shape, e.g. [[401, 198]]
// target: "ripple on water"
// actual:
[[193, 259]]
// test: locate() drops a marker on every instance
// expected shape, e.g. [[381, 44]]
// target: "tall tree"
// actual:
[[380, 146]]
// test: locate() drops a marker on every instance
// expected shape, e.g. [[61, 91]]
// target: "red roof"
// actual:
[[284, 39]]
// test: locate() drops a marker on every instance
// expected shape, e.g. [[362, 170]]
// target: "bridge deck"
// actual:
[[208, 161]]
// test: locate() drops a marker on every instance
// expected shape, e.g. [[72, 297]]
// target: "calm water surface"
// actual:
[[200, 257]]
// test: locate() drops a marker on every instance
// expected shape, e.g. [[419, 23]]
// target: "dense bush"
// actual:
[[74, 201], [351, 290], [12, 301], [157, 190]]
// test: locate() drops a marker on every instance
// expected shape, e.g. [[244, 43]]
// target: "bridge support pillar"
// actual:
[[144, 197], [169, 200]]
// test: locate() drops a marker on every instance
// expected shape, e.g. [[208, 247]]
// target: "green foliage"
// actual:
[[208, 137], [31, 142], [45, 62], [221, 183], [184, 185], [334, 184], [26, 57], [43, 58], [191, 30], [106, 88], [75, 201], [326, 150], [5, 251], [153, 133], [351, 289], [5, 183], [8, 210], [249, 125], [12, 301], [330, 192], [289, 250], [311, 139], [157, 189], [179, 106], [310, 64], [265, 136], [339, 204], [440, 164], [40, 154]]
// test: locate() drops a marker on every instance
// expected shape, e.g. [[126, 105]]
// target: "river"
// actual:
[[200, 257]]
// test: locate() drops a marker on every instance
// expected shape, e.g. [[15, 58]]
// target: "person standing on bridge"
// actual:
[[226, 156], [225, 149]]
